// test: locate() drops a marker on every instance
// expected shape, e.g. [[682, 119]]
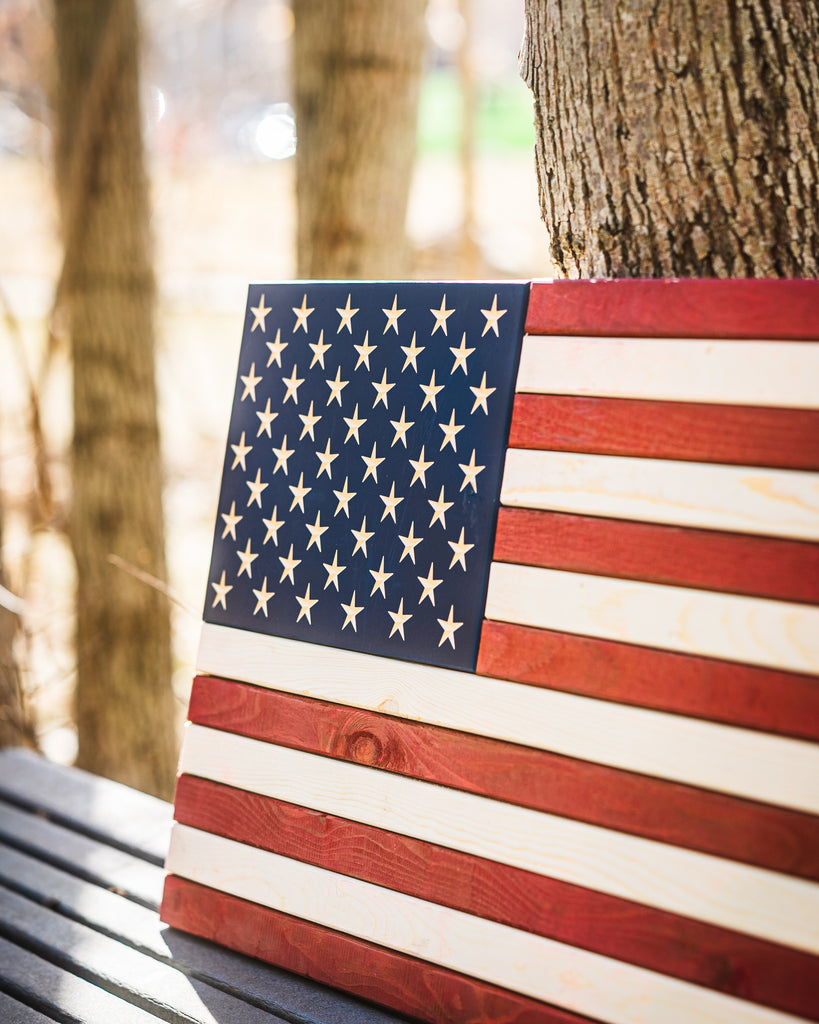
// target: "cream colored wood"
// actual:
[[541, 968], [743, 762], [737, 896], [776, 634], [774, 502], [766, 373]]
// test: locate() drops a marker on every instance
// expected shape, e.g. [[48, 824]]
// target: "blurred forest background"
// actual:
[[221, 138]]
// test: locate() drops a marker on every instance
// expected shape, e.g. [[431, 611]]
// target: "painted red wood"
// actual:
[[402, 983], [707, 955], [743, 695], [705, 559], [771, 837], [671, 308], [688, 431]]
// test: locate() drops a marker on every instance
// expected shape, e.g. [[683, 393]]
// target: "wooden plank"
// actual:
[[699, 308], [689, 431], [748, 899], [737, 761], [724, 960], [775, 634], [740, 695], [771, 502], [775, 374], [12, 1012], [705, 559], [769, 837], [580, 981]]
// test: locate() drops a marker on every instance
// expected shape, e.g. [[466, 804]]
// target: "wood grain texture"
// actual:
[[705, 559], [694, 308], [741, 695], [770, 906], [690, 431], [771, 502], [768, 837], [402, 983], [714, 957], [533, 966], [737, 761]]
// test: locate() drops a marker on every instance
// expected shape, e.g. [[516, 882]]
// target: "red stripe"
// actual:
[[707, 559], [701, 953], [742, 695], [690, 431], [771, 837], [402, 983], [700, 308]]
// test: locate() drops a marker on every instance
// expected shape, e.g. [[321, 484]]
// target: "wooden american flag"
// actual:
[[568, 766]]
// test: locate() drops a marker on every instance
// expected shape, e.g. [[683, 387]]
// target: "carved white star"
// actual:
[[250, 382], [439, 509], [411, 351], [492, 316], [401, 427], [334, 570], [288, 565], [361, 537], [353, 424], [256, 487], [293, 384], [392, 315], [273, 525], [346, 315], [240, 450], [441, 316], [382, 390], [459, 550], [282, 455], [390, 503], [462, 353], [262, 597], [299, 493], [399, 617], [449, 627], [231, 519], [470, 472], [222, 590], [247, 558], [352, 610], [319, 348], [430, 391], [276, 348], [451, 430], [326, 459], [410, 542], [316, 530], [336, 387], [344, 497], [306, 602], [429, 583], [364, 351], [379, 578], [420, 467], [259, 314], [372, 462], [309, 421], [265, 418], [481, 394], [301, 315]]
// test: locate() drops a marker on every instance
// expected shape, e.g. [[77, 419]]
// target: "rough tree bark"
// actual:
[[124, 703], [677, 139], [356, 72]]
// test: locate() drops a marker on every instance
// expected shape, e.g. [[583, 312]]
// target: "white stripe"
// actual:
[[776, 634], [732, 895], [774, 502], [770, 373], [743, 762]]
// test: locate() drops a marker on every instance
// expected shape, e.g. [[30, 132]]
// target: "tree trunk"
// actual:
[[677, 139], [124, 703], [16, 727], [356, 72]]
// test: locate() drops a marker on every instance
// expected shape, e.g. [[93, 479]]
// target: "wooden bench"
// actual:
[[80, 940]]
